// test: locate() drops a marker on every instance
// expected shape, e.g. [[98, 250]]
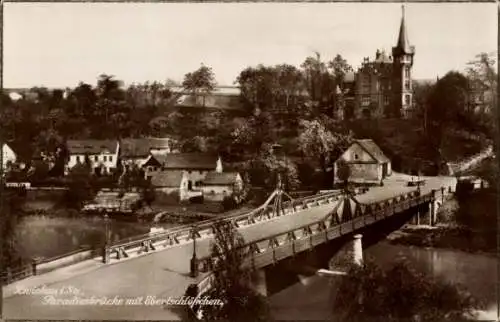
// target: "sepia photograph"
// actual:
[[249, 161]]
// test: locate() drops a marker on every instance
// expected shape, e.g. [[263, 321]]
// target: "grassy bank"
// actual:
[[472, 226]]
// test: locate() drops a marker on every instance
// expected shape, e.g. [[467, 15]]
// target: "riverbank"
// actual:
[[468, 223], [446, 237]]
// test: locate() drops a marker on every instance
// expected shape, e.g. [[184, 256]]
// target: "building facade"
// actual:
[[366, 161], [218, 185], [102, 154], [382, 87]]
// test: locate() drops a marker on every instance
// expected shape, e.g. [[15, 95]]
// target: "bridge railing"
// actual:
[[147, 242], [271, 249], [186, 233]]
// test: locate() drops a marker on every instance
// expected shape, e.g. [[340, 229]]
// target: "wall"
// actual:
[[362, 172], [195, 175], [218, 192], [167, 195], [110, 163], [8, 155], [355, 149], [66, 261]]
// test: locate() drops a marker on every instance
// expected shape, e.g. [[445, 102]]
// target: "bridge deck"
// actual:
[[162, 273]]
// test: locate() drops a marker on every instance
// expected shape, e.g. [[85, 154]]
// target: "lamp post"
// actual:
[[105, 257], [194, 259]]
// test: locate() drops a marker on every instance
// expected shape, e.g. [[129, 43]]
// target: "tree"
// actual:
[[483, 79], [448, 107], [80, 187], [318, 143], [344, 173], [201, 81], [232, 282], [399, 293], [320, 85], [264, 169]]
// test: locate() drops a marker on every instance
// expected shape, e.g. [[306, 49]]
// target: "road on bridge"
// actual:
[[163, 273]]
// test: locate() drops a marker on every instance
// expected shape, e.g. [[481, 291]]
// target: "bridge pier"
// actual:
[[433, 209], [258, 281], [350, 254]]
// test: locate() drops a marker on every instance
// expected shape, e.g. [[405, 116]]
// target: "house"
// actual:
[[382, 87], [222, 98], [218, 185], [196, 166], [9, 156], [366, 161], [137, 151], [103, 154], [170, 185]]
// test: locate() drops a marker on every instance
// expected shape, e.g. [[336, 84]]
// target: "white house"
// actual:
[[9, 156], [366, 161], [102, 154], [169, 184], [218, 185]]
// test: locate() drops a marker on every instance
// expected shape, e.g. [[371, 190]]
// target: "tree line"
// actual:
[[293, 106]]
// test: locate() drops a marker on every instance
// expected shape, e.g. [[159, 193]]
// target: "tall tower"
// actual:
[[402, 54]]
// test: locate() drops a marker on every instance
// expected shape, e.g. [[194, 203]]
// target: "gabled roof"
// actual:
[[142, 147], [168, 179], [220, 178], [189, 161], [91, 146], [373, 149], [211, 101]]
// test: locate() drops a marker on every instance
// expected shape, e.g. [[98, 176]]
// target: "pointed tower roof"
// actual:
[[403, 43]]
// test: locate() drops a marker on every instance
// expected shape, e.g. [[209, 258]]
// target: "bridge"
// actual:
[[158, 266]]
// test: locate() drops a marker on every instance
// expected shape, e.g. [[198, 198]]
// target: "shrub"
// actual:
[[399, 293]]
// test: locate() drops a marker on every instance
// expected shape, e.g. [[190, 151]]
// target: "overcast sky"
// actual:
[[59, 45]]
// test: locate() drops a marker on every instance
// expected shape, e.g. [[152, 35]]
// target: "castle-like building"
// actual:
[[382, 87]]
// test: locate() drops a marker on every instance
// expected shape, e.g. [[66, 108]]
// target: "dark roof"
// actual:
[[220, 178], [403, 43], [186, 161], [142, 147], [373, 149], [91, 146], [218, 101], [170, 179]]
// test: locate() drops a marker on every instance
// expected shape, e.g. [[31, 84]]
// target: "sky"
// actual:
[[61, 44]]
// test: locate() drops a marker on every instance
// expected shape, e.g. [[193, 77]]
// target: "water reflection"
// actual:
[[311, 299], [40, 236]]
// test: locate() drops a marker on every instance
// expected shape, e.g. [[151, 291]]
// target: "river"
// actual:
[[45, 237], [311, 298], [308, 300]]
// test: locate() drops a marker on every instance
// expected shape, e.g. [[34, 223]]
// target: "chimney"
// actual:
[[218, 167]]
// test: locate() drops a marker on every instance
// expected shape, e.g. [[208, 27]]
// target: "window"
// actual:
[[365, 101], [386, 100], [96, 158], [110, 158], [356, 156], [105, 158], [407, 84], [78, 159], [212, 192], [407, 72], [407, 100]]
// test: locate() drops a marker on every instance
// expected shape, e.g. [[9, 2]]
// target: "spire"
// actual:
[[403, 43]]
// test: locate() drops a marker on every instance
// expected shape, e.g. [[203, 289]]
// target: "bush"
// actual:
[[399, 293]]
